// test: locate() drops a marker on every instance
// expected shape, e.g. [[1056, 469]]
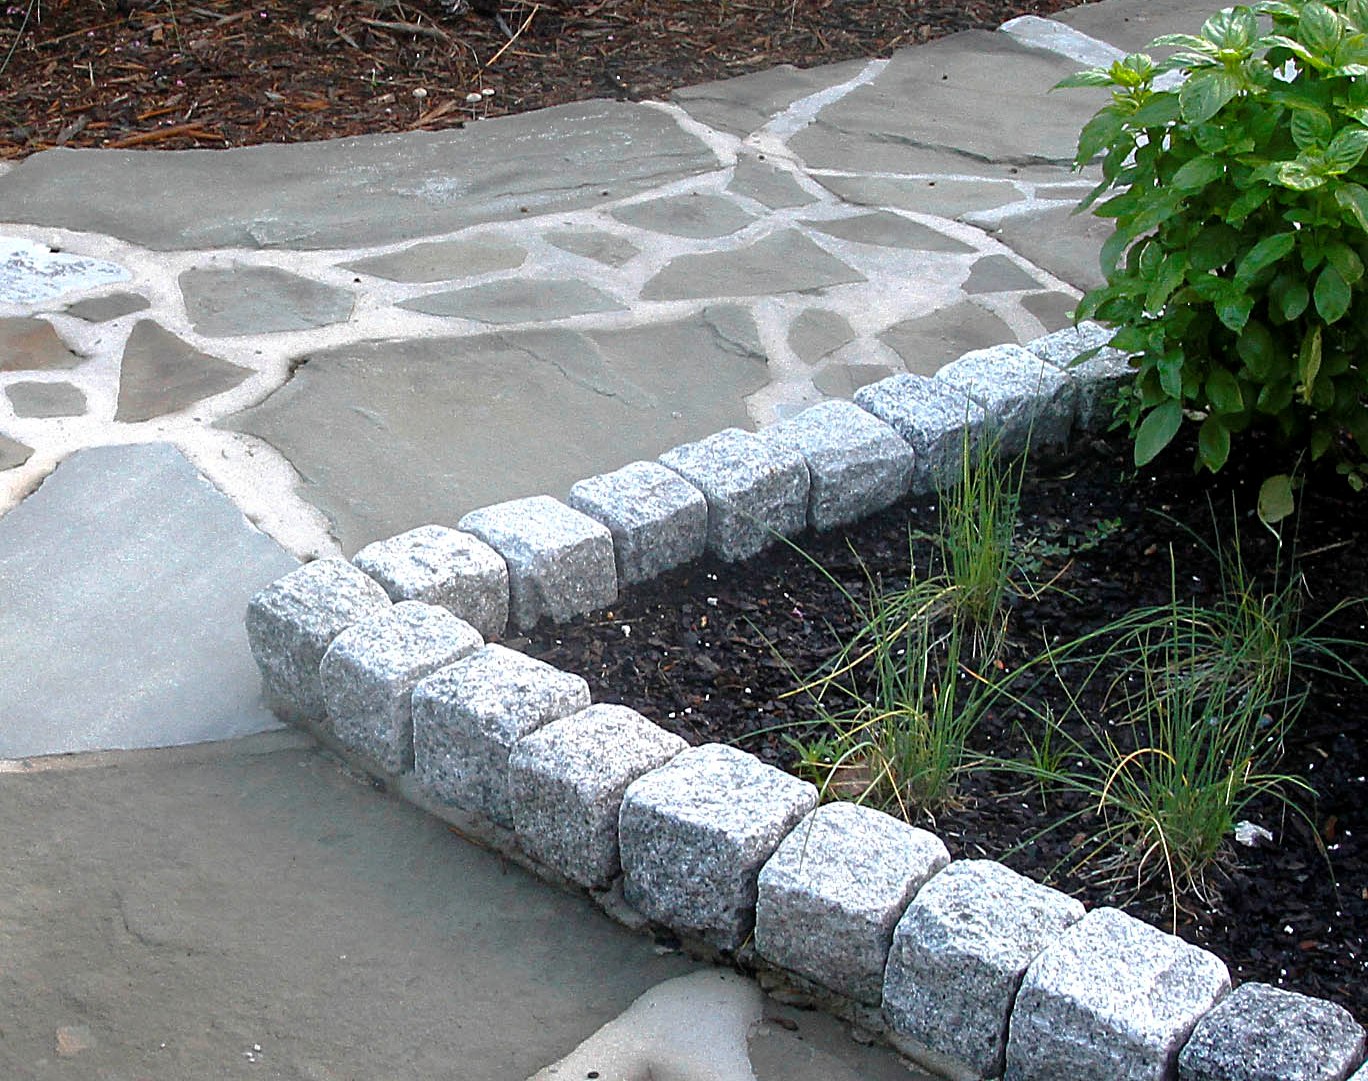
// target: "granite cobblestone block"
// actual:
[[468, 716], [438, 565], [1097, 380], [657, 519], [560, 562], [292, 622], [1028, 400], [566, 781], [959, 954], [1112, 997], [833, 891], [695, 833], [938, 422], [1263, 1033], [856, 463], [370, 670], [756, 491]]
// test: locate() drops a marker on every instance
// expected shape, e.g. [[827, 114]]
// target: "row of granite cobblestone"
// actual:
[[968, 967]]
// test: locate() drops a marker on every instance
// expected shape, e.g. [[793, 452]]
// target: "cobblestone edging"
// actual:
[[966, 966]]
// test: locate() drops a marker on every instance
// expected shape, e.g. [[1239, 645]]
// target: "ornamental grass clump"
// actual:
[[1240, 195]]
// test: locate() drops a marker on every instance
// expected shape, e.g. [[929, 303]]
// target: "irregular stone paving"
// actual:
[[354, 338]]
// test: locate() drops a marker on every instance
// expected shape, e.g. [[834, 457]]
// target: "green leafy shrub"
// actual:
[[1240, 195]]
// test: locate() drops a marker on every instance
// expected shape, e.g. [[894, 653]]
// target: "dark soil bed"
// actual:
[[706, 652]]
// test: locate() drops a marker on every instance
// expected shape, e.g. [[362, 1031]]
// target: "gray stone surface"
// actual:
[[468, 716], [370, 190], [1097, 379], [695, 833], [929, 342], [745, 104], [958, 957], [103, 309], [392, 435], [816, 333], [885, 229], [696, 215], [946, 197], [998, 274], [443, 260], [1054, 310], [438, 565], [937, 421], [1056, 37], [1028, 401], [516, 300], [606, 248], [783, 262], [566, 782], [1264, 1033], [33, 399], [1060, 241], [28, 344], [949, 79], [369, 671], [843, 380], [657, 519], [776, 188], [756, 491], [292, 622], [162, 374], [13, 453], [224, 302], [125, 578], [1111, 997], [32, 273], [1131, 25], [560, 562], [856, 463], [833, 891]]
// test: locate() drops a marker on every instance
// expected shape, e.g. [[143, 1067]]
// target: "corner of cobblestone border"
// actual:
[[972, 970]]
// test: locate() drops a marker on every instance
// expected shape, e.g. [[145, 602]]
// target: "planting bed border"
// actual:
[[970, 969]]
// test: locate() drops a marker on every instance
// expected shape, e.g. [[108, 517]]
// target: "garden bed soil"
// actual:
[[714, 651]]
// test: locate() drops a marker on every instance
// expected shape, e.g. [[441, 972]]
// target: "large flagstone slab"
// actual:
[[368, 190], [943, 196], [1062, 242], [747, 103], [696, 215], [443, 260], [392, 435], [928, 343], [784, 262], [161, 373], [32, 345], [1132, 24], [125, 578], [225, 302], [516, 300]]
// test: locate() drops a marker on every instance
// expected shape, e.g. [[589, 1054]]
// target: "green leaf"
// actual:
[[1311, 128], [1088, 77], [1356, 11], [1182, 41], [1223, 392], [1346, 149], [1318, 28], [1247, 203], [1309, 362], [1205, 94], [1156, 431], [1275, 499], [1344, 259], [1213, 444], [1100, 132], [1353, 198], [1298, 176], [1198, 173], [1333, 295], [1231, 29], [1263, 255], [1255, 347], [1215, 246], [1290, 296], [1161, 109], [1233, 307]]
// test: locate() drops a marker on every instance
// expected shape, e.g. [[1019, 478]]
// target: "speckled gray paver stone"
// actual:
[[958, 956], [937, 421], [816, 333], [1028, 400], [885, 229], [998, 274], [566, 782], [694, 215], [1111, 997], [833, 891], [516, 300], [657, 519], [160, 374], [929, 342], [767, 184], [606, 248], [28, 344], [756, 491], [1097, 379], [784, 262], [225, 302], [560, 562], [943, 196], [292, 622], [32, 273], [1263, 1033], [370, 670], [33, 399], [843, 380], [103, 309], [13, 453], [856, 463], [443, 566], [443, 260], [695, 833], [468, 716]]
